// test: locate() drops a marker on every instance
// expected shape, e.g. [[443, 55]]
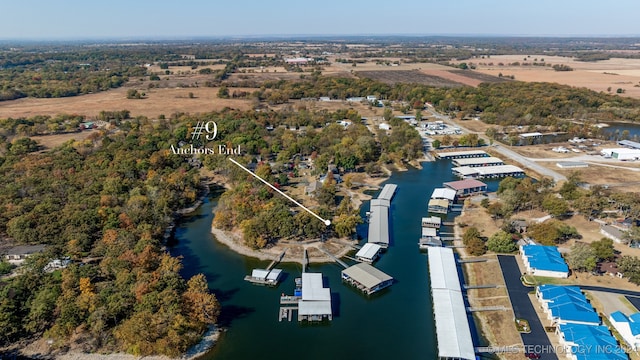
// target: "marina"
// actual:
[[249, 312]]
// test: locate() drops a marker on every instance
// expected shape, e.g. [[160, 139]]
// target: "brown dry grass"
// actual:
[[618, 177], [497, 326], [597, 76], [157, 101], [51, 141]]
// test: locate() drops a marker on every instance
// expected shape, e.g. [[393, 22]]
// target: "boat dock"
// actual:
[[497, 171], [379, 216], [268, 276], [479, 161], [461, 154]]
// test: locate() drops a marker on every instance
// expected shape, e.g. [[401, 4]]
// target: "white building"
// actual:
[[628, 327], [621, 153]]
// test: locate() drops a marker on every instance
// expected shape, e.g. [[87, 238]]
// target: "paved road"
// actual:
[[505, 151], [523, 308]]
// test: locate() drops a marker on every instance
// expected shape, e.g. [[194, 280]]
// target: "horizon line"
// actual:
[[309, 36]]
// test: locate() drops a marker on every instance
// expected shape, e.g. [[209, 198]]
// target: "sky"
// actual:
[[163, 19]]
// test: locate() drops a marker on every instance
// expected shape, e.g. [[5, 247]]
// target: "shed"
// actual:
[[467, 187]]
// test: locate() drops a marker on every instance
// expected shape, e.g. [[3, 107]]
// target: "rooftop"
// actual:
[[443, 193], [465, 184], [633, 321], [368, 251], [568, 304], [26, 249], [366, 275], [591, 342], [542, 257], [388, 191]]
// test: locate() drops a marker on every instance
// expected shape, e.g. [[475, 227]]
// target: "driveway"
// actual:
[[537, 339]]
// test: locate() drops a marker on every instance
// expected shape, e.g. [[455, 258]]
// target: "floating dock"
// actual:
[[461, 154], [366, 278], [467, 187], [482, 172], [268, 276], [379, 216], [450, 313], [479, 161]]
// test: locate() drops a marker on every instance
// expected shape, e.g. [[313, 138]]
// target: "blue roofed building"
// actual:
[[566, 304], [589, 342], [628, 327], [543, 260]]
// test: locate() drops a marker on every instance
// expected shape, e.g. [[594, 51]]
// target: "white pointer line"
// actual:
[[326, 222]]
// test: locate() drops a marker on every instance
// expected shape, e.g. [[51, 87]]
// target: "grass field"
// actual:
[[597, 76], [408, 76]]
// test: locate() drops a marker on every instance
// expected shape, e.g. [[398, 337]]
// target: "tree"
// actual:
[[556, 206], [630, 267], [603, 249], [223, 92], [476, 247], [436, 144], [582, 257], [501, 242], [199, 303]]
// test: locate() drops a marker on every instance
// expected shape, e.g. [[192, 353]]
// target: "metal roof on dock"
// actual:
[[478, 161], [379, 225], [366, 275], [452, 327], [461, 154], [487, 171], [387, 192], [368, 251]]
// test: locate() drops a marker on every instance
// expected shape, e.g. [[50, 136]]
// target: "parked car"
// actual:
[[532, 356]]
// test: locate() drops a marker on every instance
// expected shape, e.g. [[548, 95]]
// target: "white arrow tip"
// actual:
[[327, 222]]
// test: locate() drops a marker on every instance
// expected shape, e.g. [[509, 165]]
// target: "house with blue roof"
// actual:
[[628, 327], [589, 342], [566, 305], [543, 260]]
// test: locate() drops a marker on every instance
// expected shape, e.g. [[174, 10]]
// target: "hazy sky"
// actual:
[[137, 19]]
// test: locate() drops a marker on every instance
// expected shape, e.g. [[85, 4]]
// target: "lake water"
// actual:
[[395, 323], [617, 128]]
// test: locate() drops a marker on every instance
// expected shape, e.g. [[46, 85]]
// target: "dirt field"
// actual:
[[51, 141], [408, 76], [157, 101], [597, 76]]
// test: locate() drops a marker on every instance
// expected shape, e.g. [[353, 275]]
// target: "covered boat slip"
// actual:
[[461, 154], [379, 217], [467, 187], [264, 276], [379, 226], [467, 172], [438, 206], [481, 161], [452, 327], [315, 303], [432, 222], [368, 253], [429, 238], [387, 192], [366, 278]]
